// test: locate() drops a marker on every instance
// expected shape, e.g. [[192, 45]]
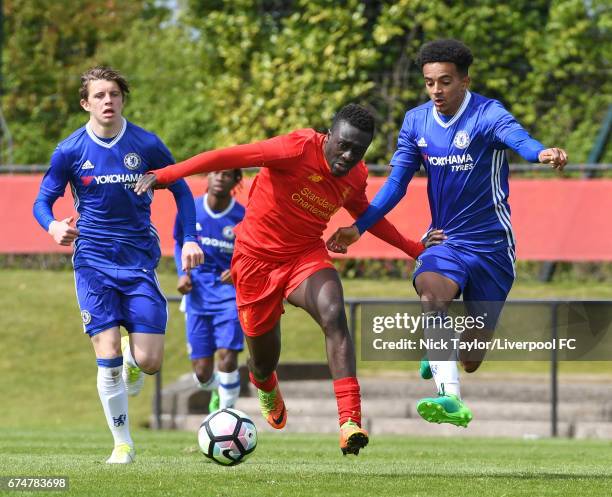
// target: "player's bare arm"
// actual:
[[343, 237], [434, 237], [226, 277], [556, 157], [145, 182], [62, 231], [184, 285], [191, 256]]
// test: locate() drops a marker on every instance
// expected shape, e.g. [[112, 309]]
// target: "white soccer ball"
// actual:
[[227, 436]]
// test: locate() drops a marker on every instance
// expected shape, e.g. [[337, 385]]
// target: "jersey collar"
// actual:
[[321, 152], [464, 104], [217, 215], [110, 144]]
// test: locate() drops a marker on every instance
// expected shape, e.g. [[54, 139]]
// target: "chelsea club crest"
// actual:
[[131, 161], [462, 139], [86, 317], [228, 232]]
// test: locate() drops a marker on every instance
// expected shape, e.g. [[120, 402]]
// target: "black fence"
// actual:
[[521, 310], [553, 308]]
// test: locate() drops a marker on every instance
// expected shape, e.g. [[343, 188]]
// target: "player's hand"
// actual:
[[556, 157], [342, 238], [184, 285], [226, 277], [62, 231], [434, 237], [145, 182], [191, 256]]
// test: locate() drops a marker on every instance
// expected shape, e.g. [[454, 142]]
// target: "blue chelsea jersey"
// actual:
[[467, 169], [114, 224], [215, 233]]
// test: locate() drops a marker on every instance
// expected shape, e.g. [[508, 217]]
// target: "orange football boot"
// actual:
[[273, 408], [352, 438]]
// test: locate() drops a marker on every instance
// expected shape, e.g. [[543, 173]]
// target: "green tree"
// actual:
[[547, 61], [281, 70], [48, 43], [168, 76], [569, 88], [231, 71]]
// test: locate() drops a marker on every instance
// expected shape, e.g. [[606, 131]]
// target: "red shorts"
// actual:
[[261, 286]]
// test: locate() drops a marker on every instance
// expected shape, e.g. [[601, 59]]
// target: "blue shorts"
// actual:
[[484, 278], [120, 297], [207, 333]]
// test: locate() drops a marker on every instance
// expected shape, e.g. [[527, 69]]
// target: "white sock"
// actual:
[[129, 358], [446, 376], [113, 395], [229, 388], [444, 369], [210, 385]]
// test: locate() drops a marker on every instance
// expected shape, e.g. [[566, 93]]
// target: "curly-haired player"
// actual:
[[306, 177], [460, 138]]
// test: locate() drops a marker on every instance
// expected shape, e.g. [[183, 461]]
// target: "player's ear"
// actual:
[[85, 104]]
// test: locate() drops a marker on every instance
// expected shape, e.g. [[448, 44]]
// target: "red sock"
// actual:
[[267, 385], [348, 399]]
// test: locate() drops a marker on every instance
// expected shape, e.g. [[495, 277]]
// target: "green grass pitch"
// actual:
[[51, 422], [47, 361], [170, 464]]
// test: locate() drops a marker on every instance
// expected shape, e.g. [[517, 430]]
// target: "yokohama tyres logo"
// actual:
[[111, 179], [450, 160]]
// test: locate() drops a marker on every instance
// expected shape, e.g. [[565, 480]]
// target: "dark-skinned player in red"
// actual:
[[306, 177]]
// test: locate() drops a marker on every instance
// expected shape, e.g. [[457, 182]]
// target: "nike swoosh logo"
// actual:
[[279, 420]]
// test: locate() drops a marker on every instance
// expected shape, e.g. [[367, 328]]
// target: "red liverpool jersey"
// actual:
[[292, 198]]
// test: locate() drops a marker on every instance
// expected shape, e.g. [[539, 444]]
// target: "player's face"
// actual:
[[345, 147], [220, 183], [104, 102], [446, 86]]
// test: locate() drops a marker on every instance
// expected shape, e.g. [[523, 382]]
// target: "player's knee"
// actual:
[[333, 319], [107, 345], [150, 364], [227, 362], [202, 377], [470, 366], [203, 371], [429, 298]]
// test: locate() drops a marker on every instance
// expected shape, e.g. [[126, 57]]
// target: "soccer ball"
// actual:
[[227, 436]]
